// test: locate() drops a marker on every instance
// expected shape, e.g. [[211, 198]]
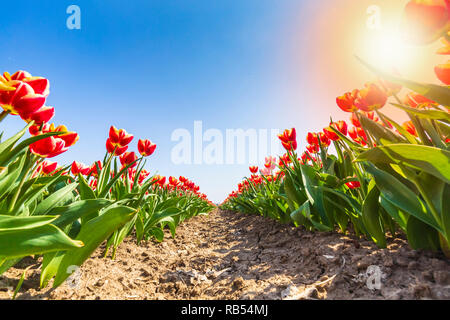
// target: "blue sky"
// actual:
[[154, 66]]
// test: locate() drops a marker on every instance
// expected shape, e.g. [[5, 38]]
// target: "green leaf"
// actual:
[[157, 233], [294, 195], [434, 189], [421, 235], [411, 139], [371, 216], [432, 160], [425, 113], [398, 215], [106, 189], [5, 158], [9, 177], [314, 193], [74, 211], [305, 211], [31, 194], [10, 223], [379, 132], [8, 263], [54, 199], [86, 193], [50, 263], [401, 196], [6, 146], [139, 229], [92, 234], [19, 284], [28, 241], [445, 212]]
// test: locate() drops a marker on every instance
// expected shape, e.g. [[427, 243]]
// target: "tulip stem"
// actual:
[[381, 116], [3, 115], [19, 188], [369, 139]]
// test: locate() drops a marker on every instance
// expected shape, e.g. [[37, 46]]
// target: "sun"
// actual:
[[386, 50]]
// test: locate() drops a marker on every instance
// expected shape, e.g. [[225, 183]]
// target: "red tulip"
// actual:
[[69, 137], [42, 115], [159, 180], [284, 158], [253, 169], [93, 168], [48, 147], [358, 135], [331, 134], [353, 184], [341, 126], [40, 85], [314, 148], [324, 139], [173, 181], [78, 167], [361, 133], [128, 158], [52, 146], [289, 139], [409, 126], [47, 167], [110, 147], [118, 140], [370, 98], [144, 174], [354, 120], [93, 184], [146, 147], [23, 100], [415, 100], [312, 138], [426, 20], [347, 101], [119, 137], [443, 73]]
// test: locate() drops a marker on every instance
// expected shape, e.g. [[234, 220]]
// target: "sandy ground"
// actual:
[[234, 256]]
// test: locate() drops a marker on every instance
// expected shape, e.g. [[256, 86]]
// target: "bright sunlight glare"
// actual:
[[387, 51]]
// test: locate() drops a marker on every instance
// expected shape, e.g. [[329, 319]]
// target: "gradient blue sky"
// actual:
[[157, 65]]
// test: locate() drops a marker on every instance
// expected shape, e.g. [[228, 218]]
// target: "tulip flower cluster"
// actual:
[[106, 201], [24, 95], [384, 176], [426, 21]]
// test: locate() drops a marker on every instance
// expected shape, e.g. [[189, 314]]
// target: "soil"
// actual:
[[234, 256]]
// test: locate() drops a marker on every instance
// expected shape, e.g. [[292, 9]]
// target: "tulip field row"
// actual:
[[64, 213], [370, 174]]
